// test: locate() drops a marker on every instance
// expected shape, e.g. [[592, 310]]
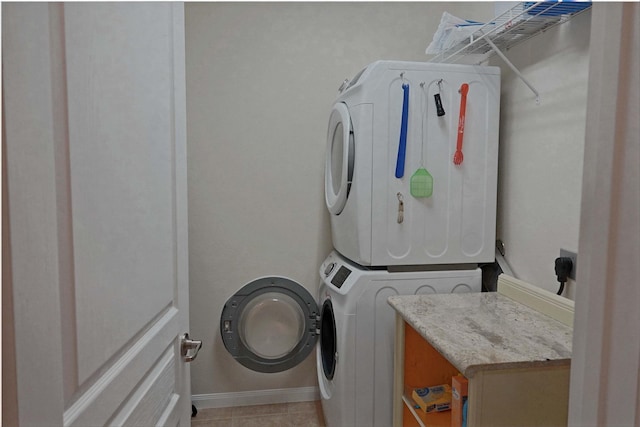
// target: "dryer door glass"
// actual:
[[339, 159], [328, 347]]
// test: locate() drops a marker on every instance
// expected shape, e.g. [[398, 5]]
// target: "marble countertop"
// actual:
[[486, 331]]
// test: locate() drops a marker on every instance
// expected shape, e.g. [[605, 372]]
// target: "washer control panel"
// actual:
[[338, 273], [340, 277], [329, 269]]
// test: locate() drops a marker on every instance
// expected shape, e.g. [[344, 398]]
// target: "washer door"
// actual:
[[339, 162], [270, 325]]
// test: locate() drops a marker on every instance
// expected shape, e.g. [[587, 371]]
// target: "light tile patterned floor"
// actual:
[[301, 414]]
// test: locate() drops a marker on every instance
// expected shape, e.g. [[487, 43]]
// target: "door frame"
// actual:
[[605, 368]]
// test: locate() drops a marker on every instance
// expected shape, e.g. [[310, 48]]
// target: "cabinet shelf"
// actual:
[[435, 419]]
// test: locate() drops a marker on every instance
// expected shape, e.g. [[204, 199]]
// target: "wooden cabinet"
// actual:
[[422, 366], [517, 360]]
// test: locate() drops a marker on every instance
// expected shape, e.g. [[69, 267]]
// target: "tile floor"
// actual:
[[300, 414]]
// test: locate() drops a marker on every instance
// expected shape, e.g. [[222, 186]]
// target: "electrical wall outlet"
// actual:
[[574, 259]]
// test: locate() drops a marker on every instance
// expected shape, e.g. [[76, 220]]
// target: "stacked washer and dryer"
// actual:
[[410, 184]]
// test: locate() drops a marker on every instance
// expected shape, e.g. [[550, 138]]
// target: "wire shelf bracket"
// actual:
[[514, 69]]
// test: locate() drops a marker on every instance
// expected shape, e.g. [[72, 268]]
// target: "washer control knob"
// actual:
[[329, 269]]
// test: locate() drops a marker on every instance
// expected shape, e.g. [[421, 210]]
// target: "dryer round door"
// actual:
[[338, 172], [270, 325]]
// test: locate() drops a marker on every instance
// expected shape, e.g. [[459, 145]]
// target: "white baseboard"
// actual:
[[255, 397]]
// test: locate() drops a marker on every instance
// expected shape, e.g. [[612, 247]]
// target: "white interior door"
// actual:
[[94, 114]]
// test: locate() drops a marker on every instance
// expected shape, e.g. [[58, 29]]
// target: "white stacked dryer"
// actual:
[[456, 223], [395, 229]]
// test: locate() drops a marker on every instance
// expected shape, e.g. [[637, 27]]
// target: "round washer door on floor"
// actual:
[[270, 325]]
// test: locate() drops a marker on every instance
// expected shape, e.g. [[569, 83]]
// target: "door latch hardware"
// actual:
[[189, 348]]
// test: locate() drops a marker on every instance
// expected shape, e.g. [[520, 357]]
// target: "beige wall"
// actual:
[[542, 149], [261, 78]]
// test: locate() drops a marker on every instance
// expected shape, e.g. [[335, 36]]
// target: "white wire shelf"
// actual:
[[514, 26]]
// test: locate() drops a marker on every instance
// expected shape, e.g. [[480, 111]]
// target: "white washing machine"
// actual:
[[355, 355], [273, 323], [392, 120]]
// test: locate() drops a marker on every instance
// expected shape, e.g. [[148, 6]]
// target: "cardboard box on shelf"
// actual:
[[433, 399]]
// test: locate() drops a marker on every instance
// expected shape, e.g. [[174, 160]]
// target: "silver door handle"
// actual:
[[189, 348]]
